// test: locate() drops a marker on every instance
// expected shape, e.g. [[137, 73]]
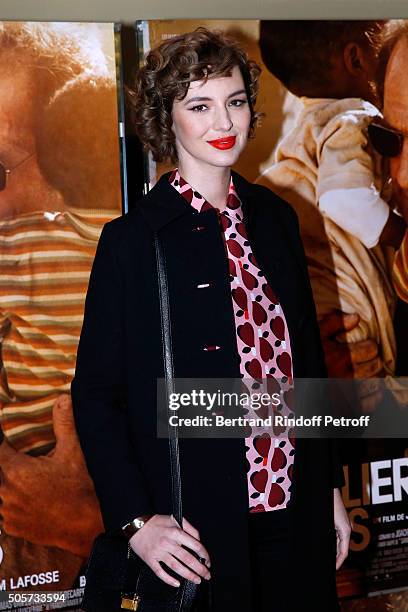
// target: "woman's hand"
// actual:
[[161, 539], [343, 528]]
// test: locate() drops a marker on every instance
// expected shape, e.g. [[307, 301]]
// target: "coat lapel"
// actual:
[[270, 232], [163, 204]]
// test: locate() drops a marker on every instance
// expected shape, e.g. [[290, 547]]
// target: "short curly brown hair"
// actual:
[[166, 76]]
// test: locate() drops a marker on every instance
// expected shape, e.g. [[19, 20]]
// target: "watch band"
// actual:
[[133, 527]]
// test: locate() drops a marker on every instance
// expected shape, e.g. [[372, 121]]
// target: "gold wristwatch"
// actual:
[[133, 527]]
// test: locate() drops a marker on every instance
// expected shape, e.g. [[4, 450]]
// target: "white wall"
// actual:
[[129, 10]]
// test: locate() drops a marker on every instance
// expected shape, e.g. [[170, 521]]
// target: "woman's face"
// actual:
[[211, 124]]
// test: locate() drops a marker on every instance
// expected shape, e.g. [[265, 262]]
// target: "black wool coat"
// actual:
[[120, 357]]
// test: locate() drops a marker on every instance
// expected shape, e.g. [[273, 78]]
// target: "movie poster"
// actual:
[[59, 183], [347, 275], [375, 497]]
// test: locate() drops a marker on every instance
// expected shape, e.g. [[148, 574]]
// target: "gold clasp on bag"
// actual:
[[130, 603]]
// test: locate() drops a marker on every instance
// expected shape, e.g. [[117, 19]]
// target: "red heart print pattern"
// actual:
[[264, 350], [259, 480], [262, 444], [278, 460], [246, 333]]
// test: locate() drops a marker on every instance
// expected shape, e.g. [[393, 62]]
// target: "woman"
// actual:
[[194, 104]]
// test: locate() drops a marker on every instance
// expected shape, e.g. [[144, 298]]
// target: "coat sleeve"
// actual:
[[98, 394], [338, 479]]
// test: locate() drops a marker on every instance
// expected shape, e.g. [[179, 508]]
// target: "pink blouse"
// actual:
[[265, 354]]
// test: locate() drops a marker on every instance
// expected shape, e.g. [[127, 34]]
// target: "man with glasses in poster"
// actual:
[[390, 136]]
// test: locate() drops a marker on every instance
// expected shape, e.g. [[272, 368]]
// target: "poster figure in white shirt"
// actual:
[[326, 168]]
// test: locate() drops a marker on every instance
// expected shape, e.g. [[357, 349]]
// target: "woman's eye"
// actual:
[[238, 102], [199, 108]]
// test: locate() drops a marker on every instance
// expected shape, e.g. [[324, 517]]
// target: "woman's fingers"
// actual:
[[189, 560], [342, 526], [182, 538], [342, 548], [190, 529], [163, 575], [180, 568], [162, 540], [193, 541]]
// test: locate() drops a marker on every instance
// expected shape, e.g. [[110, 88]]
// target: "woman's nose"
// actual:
[[222, 121]]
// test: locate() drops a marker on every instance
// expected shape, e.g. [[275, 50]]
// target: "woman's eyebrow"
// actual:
[[207, 99], [237, 93], [197, 99]]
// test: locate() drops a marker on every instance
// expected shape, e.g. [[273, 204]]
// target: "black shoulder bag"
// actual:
[[116, 578]]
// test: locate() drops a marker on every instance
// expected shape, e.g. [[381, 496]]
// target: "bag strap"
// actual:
[[169, 378]]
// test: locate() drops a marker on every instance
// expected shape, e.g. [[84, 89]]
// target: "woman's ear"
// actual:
[[354, 59]]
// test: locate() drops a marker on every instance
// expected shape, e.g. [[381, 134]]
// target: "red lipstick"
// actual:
[[223, 143]]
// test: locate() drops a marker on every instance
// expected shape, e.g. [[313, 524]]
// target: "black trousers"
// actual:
[[269, 560], [269, 557]]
